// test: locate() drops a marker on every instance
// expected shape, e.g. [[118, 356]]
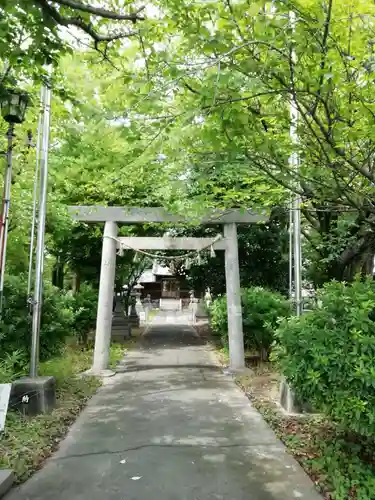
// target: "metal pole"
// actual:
[[5, 211], [291, 250], [287, 398], [35, 194], [297, 257], [294, 163], [38, 289]]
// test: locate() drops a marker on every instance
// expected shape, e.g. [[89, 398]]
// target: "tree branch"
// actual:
[[80, 23], [326, 30], [96, 11], [185, 84], [338, 150], [313, 222], [359, 246]]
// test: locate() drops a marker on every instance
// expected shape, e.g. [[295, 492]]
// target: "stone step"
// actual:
[[170, 304]]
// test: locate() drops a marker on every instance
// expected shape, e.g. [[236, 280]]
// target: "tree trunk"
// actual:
[[368, 265], [58, 273], [356, 258], [76, 282]]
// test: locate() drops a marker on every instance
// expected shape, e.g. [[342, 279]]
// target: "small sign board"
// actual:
[[4, 401], [142, 316]]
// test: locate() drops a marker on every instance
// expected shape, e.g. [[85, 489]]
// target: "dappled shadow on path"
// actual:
[[170, 336], [160, 339], [136, 367]]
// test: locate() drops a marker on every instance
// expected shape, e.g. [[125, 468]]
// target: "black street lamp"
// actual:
[[13, 106]]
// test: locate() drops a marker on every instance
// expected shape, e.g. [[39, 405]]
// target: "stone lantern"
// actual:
[[137, 290], [136, 304]]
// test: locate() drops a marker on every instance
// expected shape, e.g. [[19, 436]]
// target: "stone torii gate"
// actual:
[[131, 215]]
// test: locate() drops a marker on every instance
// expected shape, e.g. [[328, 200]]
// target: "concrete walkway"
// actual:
[[170, 427]]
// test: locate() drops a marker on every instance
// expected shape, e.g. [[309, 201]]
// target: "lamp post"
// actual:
[[39, 251], [13, 108]]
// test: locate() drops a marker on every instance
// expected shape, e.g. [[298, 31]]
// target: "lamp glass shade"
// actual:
[[13, 107]]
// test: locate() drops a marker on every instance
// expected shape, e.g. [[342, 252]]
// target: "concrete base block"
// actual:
[[238, 372], [98, 373], [33, 395], [6, 481], [289, 401]]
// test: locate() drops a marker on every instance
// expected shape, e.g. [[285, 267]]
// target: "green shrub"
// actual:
[[218, 318], [15, 324], [11, 366], [328, 355], [57, 321], [15, 327], [261, 309], [85, 305]]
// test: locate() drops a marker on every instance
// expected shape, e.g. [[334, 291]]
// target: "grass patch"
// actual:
[[223, 355], [116, 354], [28, 441], [342, 466]]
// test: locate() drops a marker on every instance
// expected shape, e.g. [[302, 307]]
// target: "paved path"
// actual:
[[170, 427]]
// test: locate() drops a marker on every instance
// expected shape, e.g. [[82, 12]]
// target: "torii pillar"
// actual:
[[234, 307], [105, 302]]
